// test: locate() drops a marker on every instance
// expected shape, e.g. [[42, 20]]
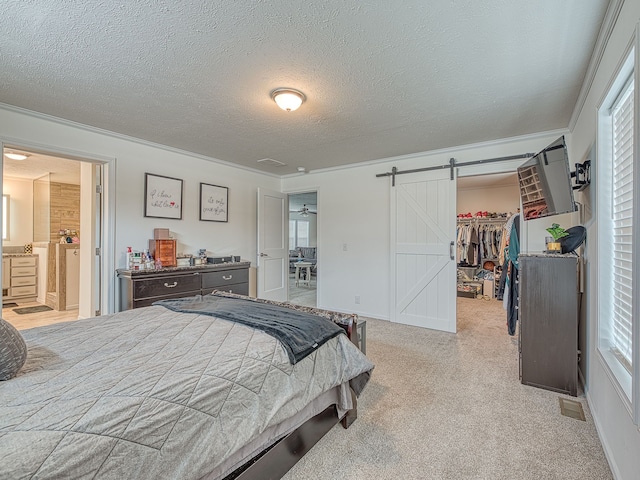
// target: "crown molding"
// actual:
[[606, 29], [443, 151], [120, 136]]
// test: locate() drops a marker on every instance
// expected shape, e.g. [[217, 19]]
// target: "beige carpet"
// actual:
[[303, 294], [445, 406]]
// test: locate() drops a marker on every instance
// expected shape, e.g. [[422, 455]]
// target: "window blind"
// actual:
[[622, 215]]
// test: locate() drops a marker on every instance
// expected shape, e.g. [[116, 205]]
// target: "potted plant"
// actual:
[[557, 232]]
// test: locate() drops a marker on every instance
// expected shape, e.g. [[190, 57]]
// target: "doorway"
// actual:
[[303, 254], [485, 203], [52, 202]]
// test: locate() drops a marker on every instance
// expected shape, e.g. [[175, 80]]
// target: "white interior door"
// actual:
[[273, 237], [423, 270]]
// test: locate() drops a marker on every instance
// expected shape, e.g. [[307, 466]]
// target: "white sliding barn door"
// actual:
[[273, 239], [423, 269]]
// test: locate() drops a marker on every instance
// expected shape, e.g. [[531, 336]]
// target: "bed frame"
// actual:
[[278, 459]]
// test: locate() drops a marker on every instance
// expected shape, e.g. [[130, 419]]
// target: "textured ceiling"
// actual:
[[381, 78], [36, 165]]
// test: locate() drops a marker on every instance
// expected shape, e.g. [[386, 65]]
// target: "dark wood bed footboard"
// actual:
[[350, 326], [278, 459]]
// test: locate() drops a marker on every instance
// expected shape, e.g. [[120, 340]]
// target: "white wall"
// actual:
[[497, 198], [353, 209], [620, 438], [21, 210], [131, 160]]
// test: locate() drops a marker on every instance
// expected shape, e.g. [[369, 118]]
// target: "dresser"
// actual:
[[548, 315], [140, 288]]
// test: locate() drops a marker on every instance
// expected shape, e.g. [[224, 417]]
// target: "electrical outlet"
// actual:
[[357, 299]]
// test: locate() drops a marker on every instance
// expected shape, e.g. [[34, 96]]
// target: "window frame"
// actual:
[[626, 382], [293, 232]]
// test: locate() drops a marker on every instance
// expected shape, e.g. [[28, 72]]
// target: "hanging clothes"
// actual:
[[512, 281], [476, 242]]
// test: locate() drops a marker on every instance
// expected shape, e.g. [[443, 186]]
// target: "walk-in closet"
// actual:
[[486, 209]]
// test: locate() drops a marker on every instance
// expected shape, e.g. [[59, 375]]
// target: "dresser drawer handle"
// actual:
[[227, 278], [175, 284]]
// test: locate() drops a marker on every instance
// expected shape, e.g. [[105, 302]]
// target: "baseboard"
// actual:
[[603, 442]]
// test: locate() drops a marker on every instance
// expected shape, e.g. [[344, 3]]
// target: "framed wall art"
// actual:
[[214, 203], [163, 196]]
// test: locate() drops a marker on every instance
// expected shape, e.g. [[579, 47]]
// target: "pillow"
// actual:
[[13, 350], [308, 252]]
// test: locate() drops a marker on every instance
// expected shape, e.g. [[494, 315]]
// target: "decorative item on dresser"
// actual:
[[140, 288], [164, 250]]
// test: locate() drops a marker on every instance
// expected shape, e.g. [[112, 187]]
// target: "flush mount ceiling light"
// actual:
[[288, 99], [16, 156]]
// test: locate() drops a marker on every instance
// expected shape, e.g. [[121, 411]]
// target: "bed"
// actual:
[[173, 391]]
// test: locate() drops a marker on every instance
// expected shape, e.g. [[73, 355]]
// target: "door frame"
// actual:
[[508, 166], [107, 260], [319, 250]]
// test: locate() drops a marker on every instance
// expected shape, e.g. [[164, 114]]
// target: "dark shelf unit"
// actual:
[[548, 315]]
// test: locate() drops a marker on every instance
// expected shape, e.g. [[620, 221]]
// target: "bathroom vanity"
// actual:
[[19, 277]]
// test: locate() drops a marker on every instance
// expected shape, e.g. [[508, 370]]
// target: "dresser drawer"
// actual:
[[239, 288], [211, 280], [22, 291], [162, 287], [21, 281], [23, 261], [146, 302], [23, 271]]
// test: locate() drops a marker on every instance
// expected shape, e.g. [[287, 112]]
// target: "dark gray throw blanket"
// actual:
[[299, 333]]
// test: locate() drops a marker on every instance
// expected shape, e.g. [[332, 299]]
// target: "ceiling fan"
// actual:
[[304, 211]]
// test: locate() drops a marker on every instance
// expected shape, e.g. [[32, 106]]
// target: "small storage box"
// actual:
[[487, 288], [471, 294], [161, 234]]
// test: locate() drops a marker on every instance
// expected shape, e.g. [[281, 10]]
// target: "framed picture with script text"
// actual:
[[162, 196], [214, 203]]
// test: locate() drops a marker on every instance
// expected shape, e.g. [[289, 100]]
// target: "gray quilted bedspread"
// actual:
[[154, 394]]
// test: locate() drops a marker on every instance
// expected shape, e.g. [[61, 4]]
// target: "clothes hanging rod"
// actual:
[[451, 165], [482, 220]]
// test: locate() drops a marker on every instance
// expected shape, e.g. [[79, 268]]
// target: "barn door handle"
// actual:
[[451, 251]]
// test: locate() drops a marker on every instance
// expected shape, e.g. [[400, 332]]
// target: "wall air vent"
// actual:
[[271, 162]]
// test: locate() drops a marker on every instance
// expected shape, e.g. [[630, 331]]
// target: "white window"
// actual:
[[298, 233], [5, 217], [617, 234]]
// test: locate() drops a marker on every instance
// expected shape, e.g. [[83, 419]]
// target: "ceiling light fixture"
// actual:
[[288, 99], [16, 156]]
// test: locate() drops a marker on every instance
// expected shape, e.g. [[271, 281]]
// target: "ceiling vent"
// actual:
[[271, 162]]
